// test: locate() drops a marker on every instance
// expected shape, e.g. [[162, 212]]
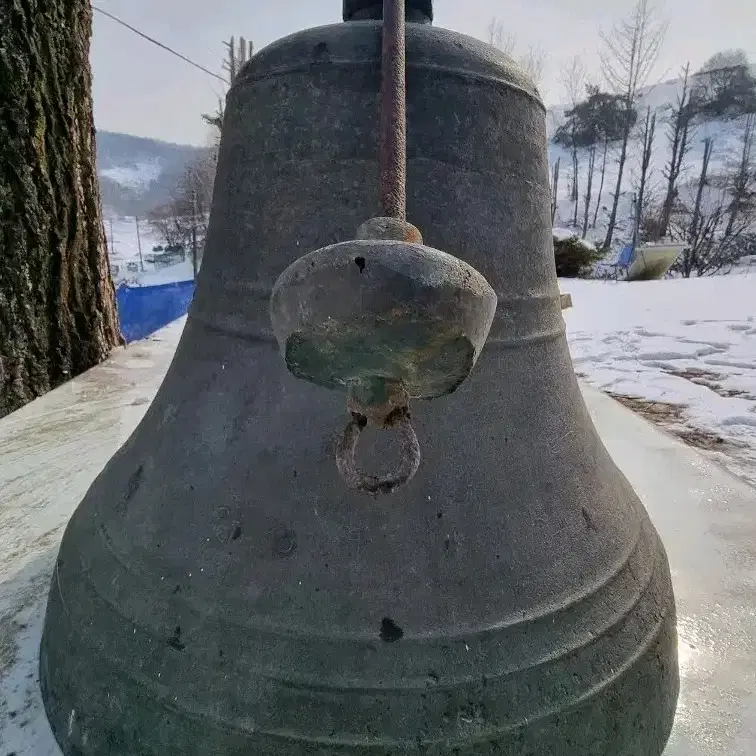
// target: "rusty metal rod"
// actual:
[[393, 128]]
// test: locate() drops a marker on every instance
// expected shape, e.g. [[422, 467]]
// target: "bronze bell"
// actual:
[[221, 590]]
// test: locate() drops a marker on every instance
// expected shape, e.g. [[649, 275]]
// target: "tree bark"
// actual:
[[58, 315]]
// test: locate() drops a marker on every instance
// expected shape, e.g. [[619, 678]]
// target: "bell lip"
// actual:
[[664, 628]]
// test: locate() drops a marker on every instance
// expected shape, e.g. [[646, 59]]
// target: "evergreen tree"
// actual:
[[601, 116], [724, 87]]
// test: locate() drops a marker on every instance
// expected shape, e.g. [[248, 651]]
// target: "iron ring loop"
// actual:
[[373, 484]]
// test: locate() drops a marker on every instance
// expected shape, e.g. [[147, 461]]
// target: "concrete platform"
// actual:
[[51, 450]]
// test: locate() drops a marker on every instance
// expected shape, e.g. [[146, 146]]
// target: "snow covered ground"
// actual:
[[135, 175], [686, 347], [126, 266]]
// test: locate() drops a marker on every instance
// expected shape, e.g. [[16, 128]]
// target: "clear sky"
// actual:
[[143, 90]]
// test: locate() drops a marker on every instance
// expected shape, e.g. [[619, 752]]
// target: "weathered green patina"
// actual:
[[369, 311]]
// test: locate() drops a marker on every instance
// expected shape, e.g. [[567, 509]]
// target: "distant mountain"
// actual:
[[136, 173]]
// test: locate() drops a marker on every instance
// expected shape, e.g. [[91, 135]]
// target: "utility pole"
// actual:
[[139, 244]]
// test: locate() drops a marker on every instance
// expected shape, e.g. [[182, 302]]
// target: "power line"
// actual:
[[159, 44]]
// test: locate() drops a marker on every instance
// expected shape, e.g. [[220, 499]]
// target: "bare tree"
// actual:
[[697, 222], [588, 188], [719, 225], [533, 60], [574, 190], [573, 78], [58, 315], [554, 189], [698, 257], [600, 192], [182, 222], [630, 52], [168, 227], [678, 136], [648, 134], [236, 56], [743, 184], [498, 37]]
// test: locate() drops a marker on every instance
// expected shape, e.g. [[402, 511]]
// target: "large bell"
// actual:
[[221, 590]]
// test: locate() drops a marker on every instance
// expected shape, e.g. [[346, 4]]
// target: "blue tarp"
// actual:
[[146, 309]]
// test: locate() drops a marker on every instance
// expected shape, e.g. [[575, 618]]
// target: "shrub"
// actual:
[[574, 257]]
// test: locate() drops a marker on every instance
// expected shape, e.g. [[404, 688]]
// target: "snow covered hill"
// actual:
[[661, 98], [136, 174]]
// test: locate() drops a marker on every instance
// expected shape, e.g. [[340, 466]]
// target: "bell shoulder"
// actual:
[[358, 44]]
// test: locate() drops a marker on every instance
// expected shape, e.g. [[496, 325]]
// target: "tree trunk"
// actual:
[[618, 188], [554, 190], [649, 133], [693, 255], [575, 189], [58, 316], [601, 184], [588, 188], [678, 141]]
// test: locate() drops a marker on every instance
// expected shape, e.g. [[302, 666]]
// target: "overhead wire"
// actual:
[[158, 43]]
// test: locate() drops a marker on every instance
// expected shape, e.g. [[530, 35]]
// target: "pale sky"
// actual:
[[141, 89]]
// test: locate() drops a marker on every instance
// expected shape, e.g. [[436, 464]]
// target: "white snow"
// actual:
[[563, 234], [136, 176], [653, 339], [50, 452], [726, 136], [126, 264], [182, 271]]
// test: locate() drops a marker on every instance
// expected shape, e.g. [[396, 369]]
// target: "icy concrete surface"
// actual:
[[51, 451]]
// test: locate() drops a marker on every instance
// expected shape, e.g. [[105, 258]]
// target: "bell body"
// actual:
[[221, 591]]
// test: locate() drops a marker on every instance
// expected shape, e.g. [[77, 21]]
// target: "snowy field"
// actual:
[[126, 265], [685, 348]]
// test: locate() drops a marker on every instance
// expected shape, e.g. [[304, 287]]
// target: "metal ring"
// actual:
[[372, 484]]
